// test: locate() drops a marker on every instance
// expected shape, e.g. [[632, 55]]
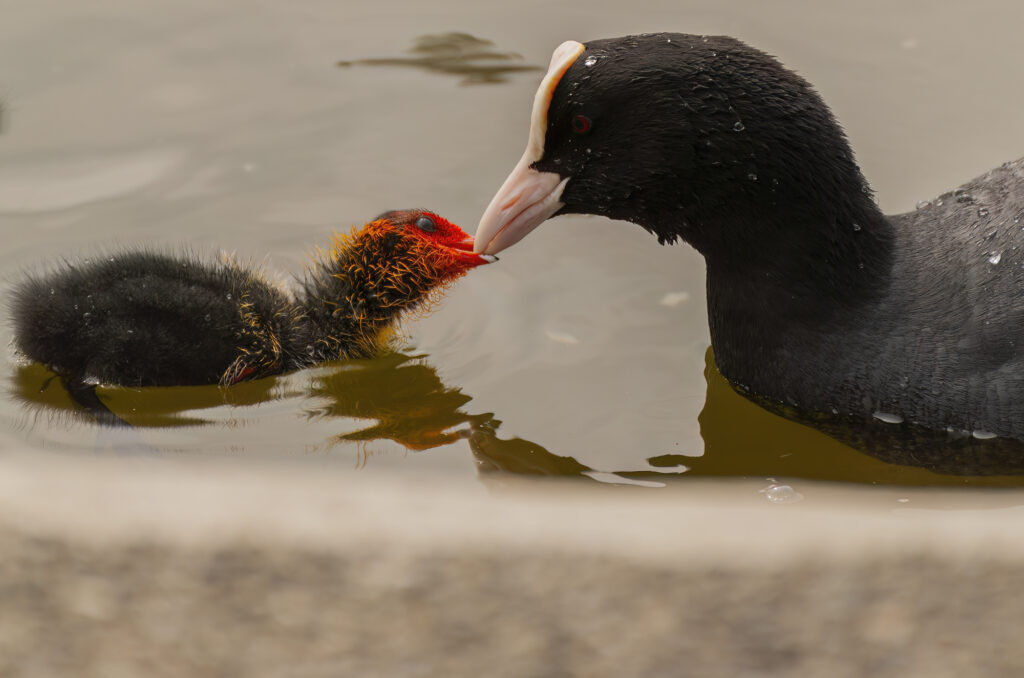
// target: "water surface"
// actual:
[[583, 351]]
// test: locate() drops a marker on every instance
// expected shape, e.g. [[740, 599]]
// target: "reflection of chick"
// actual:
[[147, 319]]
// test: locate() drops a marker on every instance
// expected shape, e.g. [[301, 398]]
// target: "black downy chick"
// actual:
[[150, 319]]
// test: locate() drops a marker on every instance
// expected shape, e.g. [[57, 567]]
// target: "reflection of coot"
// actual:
[[815, 298], [149, 319], [405, 401], [743, 438]]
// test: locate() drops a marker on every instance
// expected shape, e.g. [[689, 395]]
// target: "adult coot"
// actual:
[[815, 298], [150, 319]]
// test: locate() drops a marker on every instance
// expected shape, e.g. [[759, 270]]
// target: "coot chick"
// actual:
[[357, 289], [150, 319], [815, 298]]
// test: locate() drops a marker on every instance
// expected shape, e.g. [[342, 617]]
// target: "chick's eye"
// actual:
[[426, 224], [581, 124]]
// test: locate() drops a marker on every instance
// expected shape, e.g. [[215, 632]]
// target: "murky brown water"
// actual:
[[582, 351]]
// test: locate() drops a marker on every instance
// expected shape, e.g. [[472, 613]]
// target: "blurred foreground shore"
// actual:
[[131, 567]]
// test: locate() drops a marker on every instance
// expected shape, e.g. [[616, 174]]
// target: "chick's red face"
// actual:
[[448, 245]]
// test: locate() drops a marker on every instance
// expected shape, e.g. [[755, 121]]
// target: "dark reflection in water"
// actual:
[[456, 54], [39, 389], [742, 437], [403, 394], [409, 404]]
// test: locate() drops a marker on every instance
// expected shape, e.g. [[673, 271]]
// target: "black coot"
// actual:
[[815, 298]]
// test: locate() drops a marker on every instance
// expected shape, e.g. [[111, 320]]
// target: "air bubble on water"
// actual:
[[778, 493], [983, 435], [739, 126], [671, 299], [590, 61], [924, 203], [888, 417], [983, 212], [856, 227], [561, 337], [995, 258]]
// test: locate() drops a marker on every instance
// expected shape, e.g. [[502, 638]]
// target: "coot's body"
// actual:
[[938, 345], [815, 298]]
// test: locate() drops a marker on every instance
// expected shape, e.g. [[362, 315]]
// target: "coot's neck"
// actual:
[[820, 260], [808, 279]]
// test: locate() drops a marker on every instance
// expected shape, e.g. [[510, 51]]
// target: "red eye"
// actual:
[[580, 124]]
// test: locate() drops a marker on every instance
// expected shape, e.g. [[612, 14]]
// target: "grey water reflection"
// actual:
[[475, 59], [405, 401]]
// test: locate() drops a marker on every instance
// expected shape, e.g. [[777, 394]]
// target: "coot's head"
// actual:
[[702, 138]]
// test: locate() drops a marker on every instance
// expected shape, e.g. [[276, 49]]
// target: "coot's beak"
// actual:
[[526, 199], [528, 196]]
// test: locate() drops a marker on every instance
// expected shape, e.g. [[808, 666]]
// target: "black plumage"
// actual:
[[147, 319], [815, 298], [150, 319]]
